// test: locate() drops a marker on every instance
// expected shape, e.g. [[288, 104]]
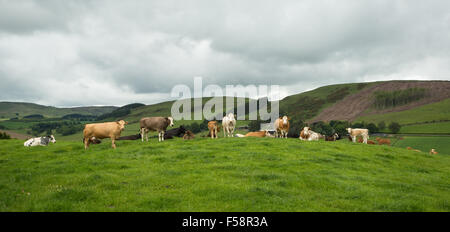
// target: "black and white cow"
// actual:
[[40, 141]]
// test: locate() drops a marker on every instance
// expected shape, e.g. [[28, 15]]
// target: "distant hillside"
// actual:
[[21, 109], [361, 104]]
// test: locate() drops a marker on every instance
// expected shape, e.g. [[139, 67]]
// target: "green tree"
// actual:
[[394, 127], [381, 125]]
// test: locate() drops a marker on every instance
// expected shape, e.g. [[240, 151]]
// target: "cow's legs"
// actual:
[[162, 135], [365, 138], [215, 133], [113, 142], [142, 134], [354, 139], [86, 143]]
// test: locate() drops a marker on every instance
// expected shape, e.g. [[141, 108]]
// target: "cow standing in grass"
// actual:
[[354, 132], [281, 126], [103, 130], [213, 128], [228, 124], [158, 124]]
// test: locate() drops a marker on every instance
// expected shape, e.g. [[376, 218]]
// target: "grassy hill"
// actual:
[[10, 110], [235, 174]]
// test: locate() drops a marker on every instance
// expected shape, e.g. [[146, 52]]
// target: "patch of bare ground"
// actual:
[[15, 135], [360, 103]]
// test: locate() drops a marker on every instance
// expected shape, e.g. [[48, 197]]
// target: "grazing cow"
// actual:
[[178, 132], [334, 137], [188, 135], [103, 130], [213, 127], [258, 134], [228, 124], [383, 141], [40, 141], [130, 137], [354, 132], [433, 152], [308, 135], [281, 126], [158, 124]]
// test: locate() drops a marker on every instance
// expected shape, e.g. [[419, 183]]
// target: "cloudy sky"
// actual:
[[71, 53]]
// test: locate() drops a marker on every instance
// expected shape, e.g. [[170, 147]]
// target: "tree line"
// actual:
[[384, 99]]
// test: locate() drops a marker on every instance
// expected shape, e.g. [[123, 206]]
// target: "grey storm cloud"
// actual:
[[70, 53]]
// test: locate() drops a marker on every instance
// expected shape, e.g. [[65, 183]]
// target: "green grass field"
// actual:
[[434, 128], [425, 144], [233, 174]]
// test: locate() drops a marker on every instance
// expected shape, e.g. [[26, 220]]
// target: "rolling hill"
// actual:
[[21, 109]]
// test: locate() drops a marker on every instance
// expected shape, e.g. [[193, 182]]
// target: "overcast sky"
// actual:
[[72, 53]]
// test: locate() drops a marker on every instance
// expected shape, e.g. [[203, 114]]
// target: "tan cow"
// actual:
[[188, 135], [384, 141], [103, 130], [258, 134], [213, 127], [433, 152], [354, 132], [281, 126]]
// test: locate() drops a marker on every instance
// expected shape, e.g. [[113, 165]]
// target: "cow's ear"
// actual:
[[289, 118]]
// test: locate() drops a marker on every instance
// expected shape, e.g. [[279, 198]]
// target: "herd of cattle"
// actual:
[[94, 132]]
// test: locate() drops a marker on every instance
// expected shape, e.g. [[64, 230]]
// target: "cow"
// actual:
[[93, 140], [281, 126], [158, 124], [103, 130], [130, 137], [412, 149], [433, 152], [354, 132], [178, 132], [308, 135], [40, 141], [188, 135], [258, 134], [213, 127], [334, 137], [228, 124], [383, 141]]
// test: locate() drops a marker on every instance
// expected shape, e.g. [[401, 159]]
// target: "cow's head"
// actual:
[[285, 120], [170, 121], [231, 116], [122, 124], [305, 129], [349, 130], [52, 139]]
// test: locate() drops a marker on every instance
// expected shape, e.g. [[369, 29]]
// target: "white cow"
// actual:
[[228, 124], [40, 141], [354, 132]]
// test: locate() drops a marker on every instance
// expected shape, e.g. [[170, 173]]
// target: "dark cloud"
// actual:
[[116, 52]]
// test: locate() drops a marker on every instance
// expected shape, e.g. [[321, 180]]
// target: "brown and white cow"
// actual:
[[103, 130], [281, 126], [158, 124], [188, 135], [308, 135], [354, 132], [213, 127]]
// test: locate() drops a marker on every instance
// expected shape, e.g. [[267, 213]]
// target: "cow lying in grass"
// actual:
[[188, 135], [258, 134], [40, 141], [412, 149], [383, 141], [334, 137], [130, 137], [308, 135], [433, 152]]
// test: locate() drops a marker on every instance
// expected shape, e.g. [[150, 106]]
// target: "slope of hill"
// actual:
[[361, 103], [20, 109]]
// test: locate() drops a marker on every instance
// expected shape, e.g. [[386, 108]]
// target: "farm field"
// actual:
[[441, 144], [232, 174], [435, 128]]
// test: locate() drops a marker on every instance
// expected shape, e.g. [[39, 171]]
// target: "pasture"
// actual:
[[227, 174], [425, 143]]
